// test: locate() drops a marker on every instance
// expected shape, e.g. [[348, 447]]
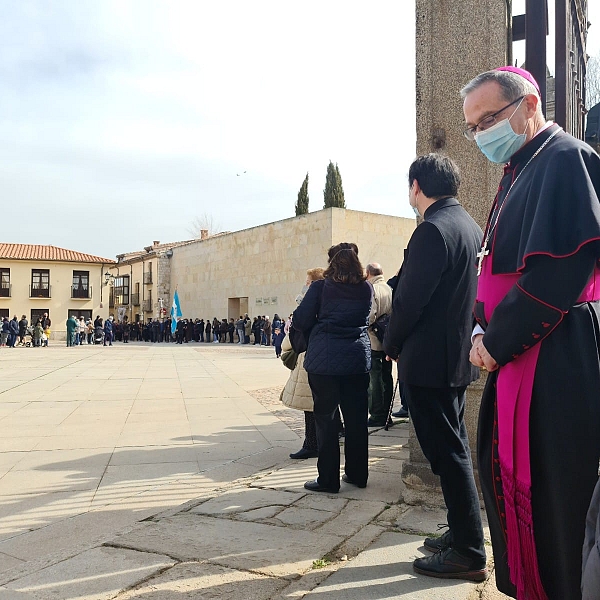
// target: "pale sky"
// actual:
[[122, 120]]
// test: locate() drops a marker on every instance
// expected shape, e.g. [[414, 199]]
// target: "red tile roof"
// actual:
[[39, 252]]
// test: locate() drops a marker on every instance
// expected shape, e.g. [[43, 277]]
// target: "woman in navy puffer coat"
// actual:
[[335, 311]]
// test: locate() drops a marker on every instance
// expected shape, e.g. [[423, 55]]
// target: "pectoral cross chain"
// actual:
[[480, 256]]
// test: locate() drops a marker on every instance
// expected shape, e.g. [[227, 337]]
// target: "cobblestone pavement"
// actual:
[[161, 472]]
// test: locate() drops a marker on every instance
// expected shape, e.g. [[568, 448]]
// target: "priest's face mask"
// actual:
[[412, 199]]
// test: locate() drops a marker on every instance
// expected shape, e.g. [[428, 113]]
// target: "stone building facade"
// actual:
[[261, 270], [141, 282]]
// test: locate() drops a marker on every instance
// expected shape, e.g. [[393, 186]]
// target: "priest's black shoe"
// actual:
[[450, 564], [348, 480], [315, 486], [438, 544], [304, 453], [375, 423]]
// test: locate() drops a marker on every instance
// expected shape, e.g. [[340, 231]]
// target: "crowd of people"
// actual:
[[15, 332], [521, 301], [258, 331], [518, 300]]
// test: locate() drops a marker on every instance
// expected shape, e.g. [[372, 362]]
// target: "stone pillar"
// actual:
[[454, 42], [163, 280]]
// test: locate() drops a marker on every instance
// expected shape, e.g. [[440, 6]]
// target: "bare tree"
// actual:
[[204, 222], [592, 82]]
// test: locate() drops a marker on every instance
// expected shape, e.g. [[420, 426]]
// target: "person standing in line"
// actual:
[[46, 322], [334, 315], [14, 331], [297, 393], [72, 326], [429, 334], [267, 331], [537, 309], [82, 331], [108, 331], [5, 332], [381, 383], [126, 330], [23, 324], [277, 340], [247, 329], [256, 330]]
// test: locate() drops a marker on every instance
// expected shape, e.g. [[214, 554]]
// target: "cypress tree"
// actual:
[[333, 192], [302, 204]]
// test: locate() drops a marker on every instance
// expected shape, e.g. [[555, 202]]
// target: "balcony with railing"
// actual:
[[40, 291], [5, 290], [147, 306], [81, 293], [148, 277], [135, 299]]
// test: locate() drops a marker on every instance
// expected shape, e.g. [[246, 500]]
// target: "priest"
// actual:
[[538, 315]]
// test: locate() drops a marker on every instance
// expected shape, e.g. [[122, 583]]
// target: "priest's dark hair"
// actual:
[[438, 176], [344, 265]]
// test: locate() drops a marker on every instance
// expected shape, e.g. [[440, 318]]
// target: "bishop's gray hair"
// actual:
[[513, 86]]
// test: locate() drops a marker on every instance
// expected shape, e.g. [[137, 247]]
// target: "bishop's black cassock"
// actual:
[[538, 301]]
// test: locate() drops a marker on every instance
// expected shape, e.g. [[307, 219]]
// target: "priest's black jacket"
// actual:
[[431, 322]]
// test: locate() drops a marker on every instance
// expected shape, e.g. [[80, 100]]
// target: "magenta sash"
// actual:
[[514, 389]]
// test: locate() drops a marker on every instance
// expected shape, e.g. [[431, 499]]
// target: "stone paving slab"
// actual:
[[384, 570], [242, 499], [235, 544], [353, 517], [194, 581], [98, 574]]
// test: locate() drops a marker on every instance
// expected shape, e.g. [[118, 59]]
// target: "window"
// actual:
[[40, 283], [135, 296], [81, 284], [5, 283], [121, 290], [86, 314], [38, 313], [4, 313]]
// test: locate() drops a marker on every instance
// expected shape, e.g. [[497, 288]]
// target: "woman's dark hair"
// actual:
[[344, 266]]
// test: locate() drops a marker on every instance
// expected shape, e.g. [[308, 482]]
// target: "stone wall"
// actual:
[[270, 261], [454, 42]]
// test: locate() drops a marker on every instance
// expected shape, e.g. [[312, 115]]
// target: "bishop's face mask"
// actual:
[[500, 141]]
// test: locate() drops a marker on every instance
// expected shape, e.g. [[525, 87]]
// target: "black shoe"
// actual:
[[374, 423], [304, 453], [348, 480], [449, 564], [315, 486], [402, 413], [439, 544]]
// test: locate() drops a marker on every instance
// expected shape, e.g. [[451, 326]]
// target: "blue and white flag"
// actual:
[[175, 312]]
